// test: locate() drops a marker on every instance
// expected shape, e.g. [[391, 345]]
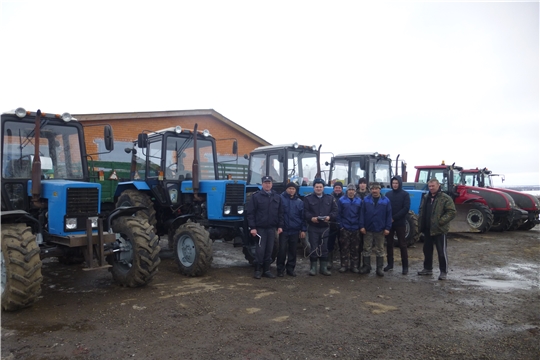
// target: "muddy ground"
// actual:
[[489, 308]]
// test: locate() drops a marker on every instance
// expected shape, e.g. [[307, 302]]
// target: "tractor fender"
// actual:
[[20, 216], [178, 221], [474, 199], [122, 211], [131, 185]]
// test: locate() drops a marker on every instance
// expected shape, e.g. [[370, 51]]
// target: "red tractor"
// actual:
[[529, 203], [495, 210]]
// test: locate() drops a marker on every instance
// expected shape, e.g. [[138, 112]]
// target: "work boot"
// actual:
[[342, 269], [355, 270], [258, 273], [330, 260], [405, 265], [390, 265], [281, 273], [367, 265], [323, 268], [380, 263], [425, 272], [313, 270], [291, 273], [442, 276], [267, 273]]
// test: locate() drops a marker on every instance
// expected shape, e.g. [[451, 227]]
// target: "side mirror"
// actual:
[[246, 156], [142, 140], [235, 147], [108, 138]]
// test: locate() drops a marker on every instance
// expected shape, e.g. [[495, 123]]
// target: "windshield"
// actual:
[[179, 159], [59, 150], [302, 167]]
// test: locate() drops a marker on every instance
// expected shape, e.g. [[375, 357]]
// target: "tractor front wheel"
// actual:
[[21, 267], [192, 249], [480, 217], [136, 257], [137, 198]]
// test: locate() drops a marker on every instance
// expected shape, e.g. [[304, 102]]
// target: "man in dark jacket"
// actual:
[[294, 227], [375, 224], [362, 190], [319, 210], [401, 203], [335, 233], [264, 215], [436, 211]]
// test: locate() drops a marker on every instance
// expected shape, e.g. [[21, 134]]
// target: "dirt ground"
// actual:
[[489, 308]]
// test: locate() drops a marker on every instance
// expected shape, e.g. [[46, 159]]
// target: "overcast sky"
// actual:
[[453, 81]]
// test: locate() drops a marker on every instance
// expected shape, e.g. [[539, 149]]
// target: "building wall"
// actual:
[[126, 130]]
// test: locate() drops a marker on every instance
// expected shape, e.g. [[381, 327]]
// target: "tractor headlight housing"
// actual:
[[227, 209], [71, 223], [240, 209]]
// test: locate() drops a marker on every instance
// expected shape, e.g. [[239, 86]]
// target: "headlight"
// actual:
[[227, 210], [314, 147], [94, 221], [178, 129], [240, 210], [295, 145], [66, 117], [206, 133], [71, 223], [20, 112]]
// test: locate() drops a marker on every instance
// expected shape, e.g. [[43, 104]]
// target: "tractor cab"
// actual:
[[285, 163], [350, 168]]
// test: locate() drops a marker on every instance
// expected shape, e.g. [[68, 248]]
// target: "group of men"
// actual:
[[359, 221]]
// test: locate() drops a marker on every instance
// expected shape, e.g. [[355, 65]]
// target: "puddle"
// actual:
[[507, 278]]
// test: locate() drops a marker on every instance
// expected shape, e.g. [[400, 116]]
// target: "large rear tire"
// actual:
[[480, 217], [137, 259], [192, 249], [137, 198], [21, 267], [411, 230]]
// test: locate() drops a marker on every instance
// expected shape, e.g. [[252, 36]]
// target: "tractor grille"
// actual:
[[234, 194], [81, 201]]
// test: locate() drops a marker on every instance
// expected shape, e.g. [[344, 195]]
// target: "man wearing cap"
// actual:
[[334, 227], [264, 215], [349, 218], [362, 191], [436, 211], [375, 224], [319, 210], [294, 227]]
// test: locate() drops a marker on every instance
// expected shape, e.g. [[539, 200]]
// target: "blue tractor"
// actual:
[[174, 176], [51, 209], [375, 167]]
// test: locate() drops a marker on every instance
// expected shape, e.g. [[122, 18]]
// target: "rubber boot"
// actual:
[[330, 260], [258, 273], [267, 273], [313, 270], [390, 265], [380, 263], [367, 265], [323, 268], [405, 264]]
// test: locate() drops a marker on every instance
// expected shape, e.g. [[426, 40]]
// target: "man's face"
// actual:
[[318, 189], [350, 193], [291, 190], [338, 189], [395, 184], [433, 187], [267, 185], [362, 187], [375, 191]]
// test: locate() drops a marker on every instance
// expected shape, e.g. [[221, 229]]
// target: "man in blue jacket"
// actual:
[[294, 228], [375, 224], [401, 203], [264, 215], [349, 217]]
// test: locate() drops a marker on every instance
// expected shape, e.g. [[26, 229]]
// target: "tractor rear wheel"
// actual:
[[137, 259], [192, 249], [411, 230], [527, 226], [21, 267], [137, 198], [480, 217]]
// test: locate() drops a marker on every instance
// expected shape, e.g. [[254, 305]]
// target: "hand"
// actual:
[[314, 219], [279, 230], [363, 231], [327, 219], [386, 232], [302, 235], [253, 232]]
